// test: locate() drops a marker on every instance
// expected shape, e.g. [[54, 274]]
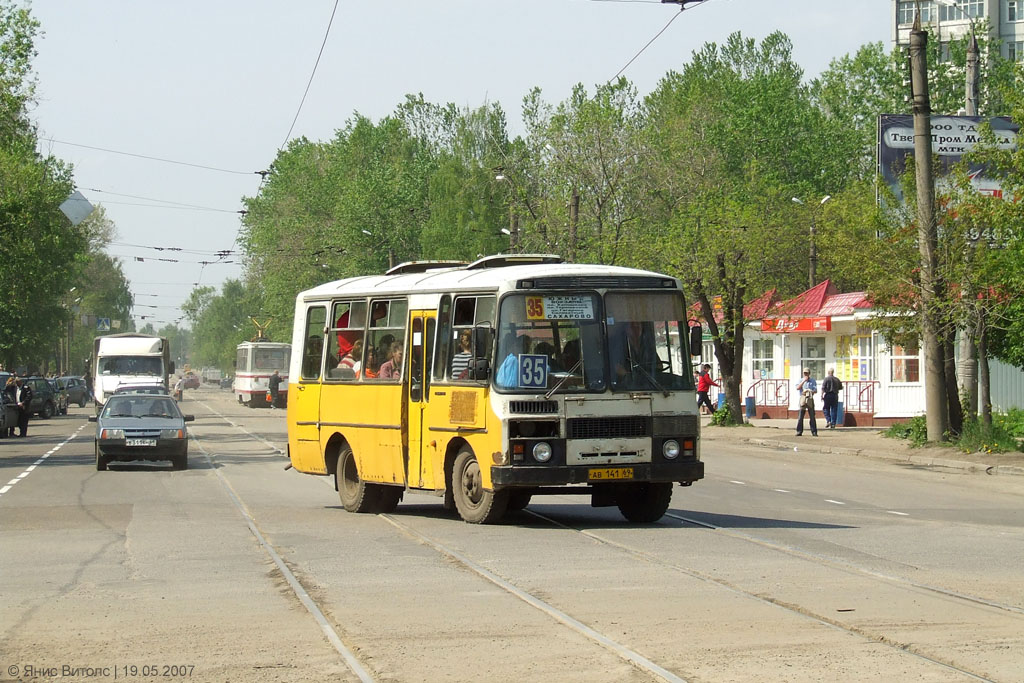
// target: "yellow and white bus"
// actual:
[[491, 382]]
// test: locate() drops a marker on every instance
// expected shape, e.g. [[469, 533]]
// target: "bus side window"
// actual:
[[345, 339], [444, 333], [313, 347], [386, 335]]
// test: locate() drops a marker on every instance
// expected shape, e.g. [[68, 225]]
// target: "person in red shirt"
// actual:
[[704, 384]]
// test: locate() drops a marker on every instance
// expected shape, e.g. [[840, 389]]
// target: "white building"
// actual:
[[823, 329], [949, 19]]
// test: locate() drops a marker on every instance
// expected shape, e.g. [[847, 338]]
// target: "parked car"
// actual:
[[61, 395], [44, 397], [153, 389], [141, 427], [78, 391], [227, 382]]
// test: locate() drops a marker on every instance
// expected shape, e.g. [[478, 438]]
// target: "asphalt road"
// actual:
[[778, 566]]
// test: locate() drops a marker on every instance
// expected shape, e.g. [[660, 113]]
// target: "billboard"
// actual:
[[952, 137]]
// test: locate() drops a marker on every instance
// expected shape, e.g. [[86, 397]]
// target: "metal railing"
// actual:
[[859, 396], [770, 392]]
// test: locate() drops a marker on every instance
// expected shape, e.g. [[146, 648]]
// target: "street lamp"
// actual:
[[513, 220], [813, 260]]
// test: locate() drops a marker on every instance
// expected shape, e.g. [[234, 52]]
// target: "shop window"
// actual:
[[812, 356], [763, 354], [855, 357], [904, 363]]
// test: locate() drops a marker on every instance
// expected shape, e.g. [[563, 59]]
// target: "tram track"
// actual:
[[623, 650]]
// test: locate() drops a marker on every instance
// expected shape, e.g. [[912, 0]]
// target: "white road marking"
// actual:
[[733, 481], [901, 514], [781, 490], [834, 502], [30, 468]]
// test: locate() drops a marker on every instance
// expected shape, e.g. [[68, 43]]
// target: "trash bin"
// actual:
[[751, 408], [721, 399], [840, 416]]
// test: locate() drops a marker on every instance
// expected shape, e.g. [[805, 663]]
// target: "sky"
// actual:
[[219, 84]]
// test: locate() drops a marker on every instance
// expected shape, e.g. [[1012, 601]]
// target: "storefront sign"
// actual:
[[823, 324]]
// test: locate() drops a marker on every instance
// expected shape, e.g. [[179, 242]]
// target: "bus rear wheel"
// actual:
[[475, 504], [645, 502], [356, 495]]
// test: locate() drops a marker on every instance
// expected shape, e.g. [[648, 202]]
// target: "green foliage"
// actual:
[[977, 437], [1012, 422], [219, 323], [914, 430], [723, 418]]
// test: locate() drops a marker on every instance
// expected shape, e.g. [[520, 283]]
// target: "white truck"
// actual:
[[128, 359]]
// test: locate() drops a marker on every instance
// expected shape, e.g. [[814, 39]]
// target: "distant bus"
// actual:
[[489, 383], [255, 362]]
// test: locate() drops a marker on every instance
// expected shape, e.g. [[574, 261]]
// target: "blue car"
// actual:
[[141, 427]]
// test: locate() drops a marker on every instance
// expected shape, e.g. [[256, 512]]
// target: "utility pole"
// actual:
[[967, 369], [936, 409]]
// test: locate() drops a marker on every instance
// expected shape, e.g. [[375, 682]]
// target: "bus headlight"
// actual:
[[542, 451], [670, 449]]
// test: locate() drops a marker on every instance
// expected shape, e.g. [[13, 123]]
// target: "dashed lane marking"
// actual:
[[32, 467], [834, 502], [901, 514]]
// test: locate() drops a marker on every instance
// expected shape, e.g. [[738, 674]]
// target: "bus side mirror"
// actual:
[[696, 340], [171, 371], [479, 368]]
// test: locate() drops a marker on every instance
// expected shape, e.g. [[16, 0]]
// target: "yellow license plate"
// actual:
[[607, 473]]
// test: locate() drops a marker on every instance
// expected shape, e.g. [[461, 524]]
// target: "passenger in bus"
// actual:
[[371, 368], [570, 354], [350, 363], [545, 349], [392, 369], [384, 347], [632, 352], [460, 361], [508, 372]]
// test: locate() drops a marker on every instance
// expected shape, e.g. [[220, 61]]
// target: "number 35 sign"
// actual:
[[533, 371]]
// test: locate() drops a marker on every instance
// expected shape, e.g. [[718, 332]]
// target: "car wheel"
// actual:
[[645, 502], [475, 504], [101, 461], [81, 402], [47, 412], [355, 494], [180, 462]]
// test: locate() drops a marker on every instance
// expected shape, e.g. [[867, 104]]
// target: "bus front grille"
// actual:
[[532, 407], [607, 427]]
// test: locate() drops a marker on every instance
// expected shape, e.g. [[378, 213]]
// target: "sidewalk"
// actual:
[[866, 442]]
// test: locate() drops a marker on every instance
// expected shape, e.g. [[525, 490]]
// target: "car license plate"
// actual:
[[607, 473], [140, 442]]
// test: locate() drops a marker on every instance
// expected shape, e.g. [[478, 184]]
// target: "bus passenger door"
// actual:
[[304, 398], [421, 352]]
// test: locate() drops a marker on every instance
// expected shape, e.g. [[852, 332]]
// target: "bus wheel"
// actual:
[[646, 502], [356, 495], [518, 500], [388, 497], [475, 504]]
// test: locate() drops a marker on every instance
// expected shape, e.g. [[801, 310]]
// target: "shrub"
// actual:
[[722, 417], [998, 438], [915, 430]]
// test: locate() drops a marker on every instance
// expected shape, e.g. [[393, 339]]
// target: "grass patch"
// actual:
[[914, 430], [1001, 437]]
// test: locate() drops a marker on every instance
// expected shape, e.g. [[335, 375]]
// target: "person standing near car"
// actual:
[[24, 406], [11, 392], [273, 387]]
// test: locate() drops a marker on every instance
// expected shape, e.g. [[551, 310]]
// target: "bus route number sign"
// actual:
[[559, 308], [533, 371]]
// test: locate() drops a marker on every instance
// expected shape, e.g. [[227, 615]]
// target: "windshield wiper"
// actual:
[[651, 379], [564, 379]]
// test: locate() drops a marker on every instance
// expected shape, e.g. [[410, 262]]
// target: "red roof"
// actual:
[[808, 303], [844, 304]]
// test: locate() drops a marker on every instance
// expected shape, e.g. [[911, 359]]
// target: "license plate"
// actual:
[[140, 442], [606, 473]]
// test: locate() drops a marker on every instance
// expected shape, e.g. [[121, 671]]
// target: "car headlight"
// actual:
[[670, 449], [542, 451], [112, 434], [172, 433]]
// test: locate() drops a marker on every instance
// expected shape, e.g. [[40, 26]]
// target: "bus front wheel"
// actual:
[[356, 495], [646, 502], [475, 504]]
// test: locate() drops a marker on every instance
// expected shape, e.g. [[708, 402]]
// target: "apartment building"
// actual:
[[952, 19]]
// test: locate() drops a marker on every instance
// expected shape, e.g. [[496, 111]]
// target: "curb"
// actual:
[[921, 460]]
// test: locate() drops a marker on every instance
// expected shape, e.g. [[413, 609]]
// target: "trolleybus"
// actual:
[[255, 362], [489, 383]]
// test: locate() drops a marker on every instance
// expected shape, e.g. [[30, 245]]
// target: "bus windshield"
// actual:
[[646, 350], [270, 359], [550, 342]]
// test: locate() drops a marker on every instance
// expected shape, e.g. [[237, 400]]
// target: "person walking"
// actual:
[[704, 384], [830, 388], [274, 387], [24, 406], [807, 388]]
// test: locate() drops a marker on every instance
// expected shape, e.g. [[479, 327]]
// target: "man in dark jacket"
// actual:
[[24, 406], [830, 399], [274, 386]]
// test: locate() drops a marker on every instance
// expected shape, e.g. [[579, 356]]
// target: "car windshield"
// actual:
[[550, 342], [646, 350], [140, 406], [131, 365]]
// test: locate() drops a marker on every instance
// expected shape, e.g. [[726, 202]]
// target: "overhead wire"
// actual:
[[682, 7], [151, 158]]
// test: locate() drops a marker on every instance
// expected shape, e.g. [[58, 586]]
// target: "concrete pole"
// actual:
[[967, 368], [937, 416]]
